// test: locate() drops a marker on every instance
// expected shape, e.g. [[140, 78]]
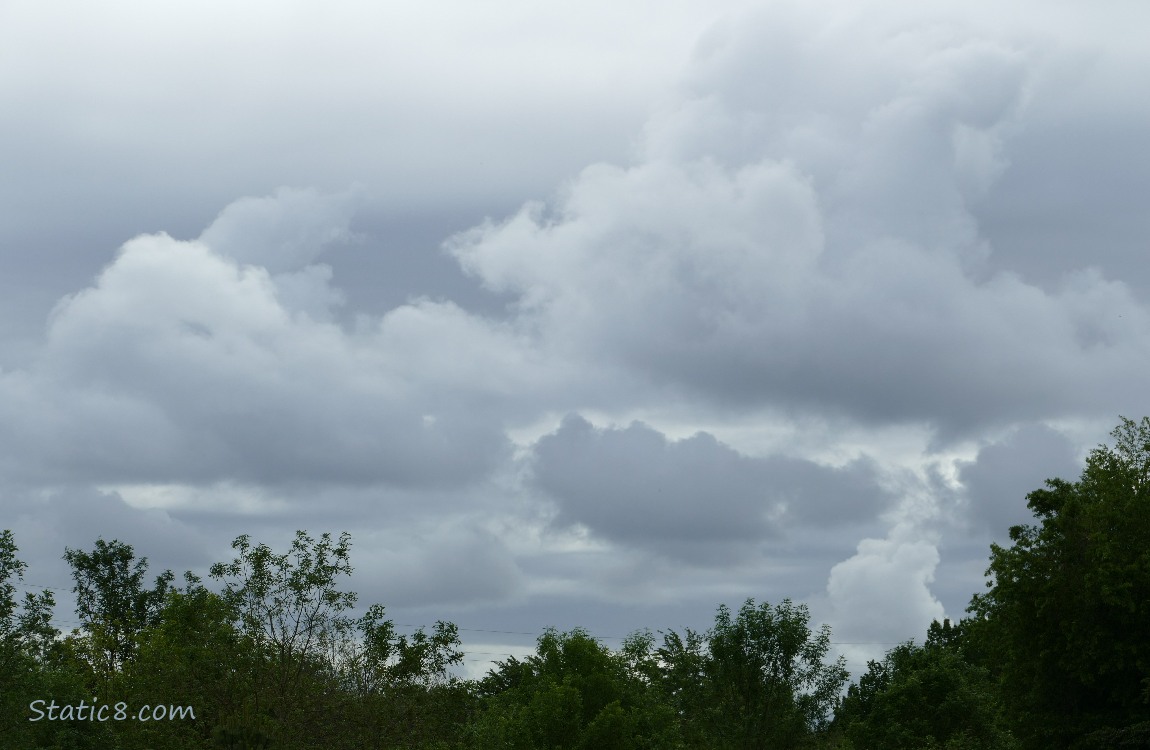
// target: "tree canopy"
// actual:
[[1065, 620]]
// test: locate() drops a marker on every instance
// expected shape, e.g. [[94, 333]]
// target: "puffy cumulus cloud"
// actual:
[[882, 593], [284, 234], [692, 498], [997, 481], [694, 248], [797, 233], [181, 364]]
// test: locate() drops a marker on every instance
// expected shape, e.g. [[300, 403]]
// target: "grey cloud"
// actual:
[[997, 481], [782, 243], [692, 497], [46, 520], [178, 364], [282, 232], [450, 562]]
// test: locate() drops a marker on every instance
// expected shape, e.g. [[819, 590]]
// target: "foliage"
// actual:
[[573, 693], [1065, 623], [380, 657], [761, 681], [927, 696], [288, 602], [197, 656], [112, 602], [403, 691], [321, 678], [32, 666]]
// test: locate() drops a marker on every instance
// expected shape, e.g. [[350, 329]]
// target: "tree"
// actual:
[[1065, 622], [765, 683], [320, 676], [112, 602], [32, 667], [196, 655], [401, 686], [924, 696], [757, 679], [289, 602], [20, 636], [574, 693], [25, 631], [682, 663], [290, 607]]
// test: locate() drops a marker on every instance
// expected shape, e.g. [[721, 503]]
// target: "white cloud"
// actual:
[[883, 589], [181, 364], [781, 243]]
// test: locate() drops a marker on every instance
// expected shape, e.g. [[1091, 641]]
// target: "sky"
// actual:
[[572, 314]]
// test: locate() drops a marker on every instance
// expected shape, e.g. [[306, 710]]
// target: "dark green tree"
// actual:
[[1065, 622], [21, 633], [34, 666], [113, 603], [322, 678], [25, 628], [762, 681], [290, 607], [924, 696], [574, 693], [289, 602], [403, 691], [195, 656]]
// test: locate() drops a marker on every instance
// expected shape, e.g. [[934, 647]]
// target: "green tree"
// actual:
[[762, 681], [403, 691], [320, 677], [33, 666], [25, 630], [113, 603], [19, 636], [290, 607], [195, 656], [924, 696], [289, 602], [1065, 622], [574, 693]]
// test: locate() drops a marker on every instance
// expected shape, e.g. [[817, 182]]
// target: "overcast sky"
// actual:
[[578, 314]]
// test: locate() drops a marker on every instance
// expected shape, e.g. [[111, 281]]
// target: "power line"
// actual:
[[38, 586]]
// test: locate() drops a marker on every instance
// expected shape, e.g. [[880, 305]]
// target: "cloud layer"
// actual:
[[812, 329]]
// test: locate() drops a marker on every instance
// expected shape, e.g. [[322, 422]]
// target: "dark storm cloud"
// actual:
[[635, 486]]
